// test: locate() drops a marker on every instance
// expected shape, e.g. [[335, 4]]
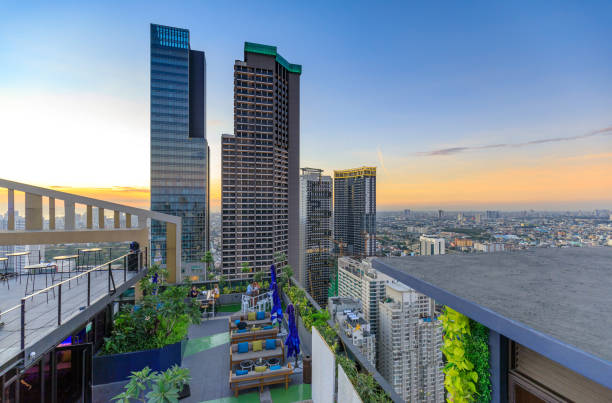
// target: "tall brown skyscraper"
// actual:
[[260, 163]]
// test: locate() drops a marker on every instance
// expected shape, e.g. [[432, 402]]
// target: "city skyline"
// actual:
[[461, 114]]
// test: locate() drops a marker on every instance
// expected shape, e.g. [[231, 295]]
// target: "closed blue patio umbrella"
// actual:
[[276, 313], [293, 340]]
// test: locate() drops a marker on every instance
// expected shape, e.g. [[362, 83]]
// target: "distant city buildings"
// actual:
[[179, 150], [357, 279], [347, 313], [409, 339], [260, 163], [315, 259], [432, 246], [463, 243], [492, 215], [355, 210], [489, 247]]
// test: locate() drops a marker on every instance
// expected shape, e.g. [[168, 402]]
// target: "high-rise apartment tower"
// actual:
[[260, 163], [315, 260], [357, 279], [410, 338], [355, 211], [179, 150]]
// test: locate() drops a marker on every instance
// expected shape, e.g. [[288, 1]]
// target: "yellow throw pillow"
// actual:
[[257, 345], [254, 329], [261, 368], [251, 316]]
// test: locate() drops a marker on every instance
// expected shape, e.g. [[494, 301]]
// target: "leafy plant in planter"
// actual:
[[460, 379], [477, 352], [160, 318], [162, 387]]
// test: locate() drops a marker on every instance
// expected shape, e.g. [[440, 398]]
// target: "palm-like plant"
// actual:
[[208, 259], [162, 387]]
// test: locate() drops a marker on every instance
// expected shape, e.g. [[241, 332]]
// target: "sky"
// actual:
[[477, 105]]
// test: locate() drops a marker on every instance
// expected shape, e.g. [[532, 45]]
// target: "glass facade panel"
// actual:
[[179, 156]]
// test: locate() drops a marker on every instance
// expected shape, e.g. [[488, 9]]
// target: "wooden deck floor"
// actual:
[[41, 311]]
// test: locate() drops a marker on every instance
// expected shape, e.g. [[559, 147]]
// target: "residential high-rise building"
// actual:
[[260, 163], [354, 326], [179, 150], [357, 279], [432, 246], [315, 263], [409, 342], [355, 210]]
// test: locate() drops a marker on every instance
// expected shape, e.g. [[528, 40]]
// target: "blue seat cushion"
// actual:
[[261, 315], [242, 371], [241, 330], [268, 327], [270, 344], [275, 367], [243, 347]]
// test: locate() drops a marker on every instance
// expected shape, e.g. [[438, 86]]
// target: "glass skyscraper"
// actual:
[[179, 150]]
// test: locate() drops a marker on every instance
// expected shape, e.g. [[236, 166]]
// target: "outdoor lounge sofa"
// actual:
[[243, 318], [236, 357], [260, 379], [250, 335]]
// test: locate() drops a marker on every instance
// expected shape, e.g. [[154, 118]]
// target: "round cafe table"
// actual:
[[60, 260], [31, 273], [92, 257], [19, 260], [5, 276]]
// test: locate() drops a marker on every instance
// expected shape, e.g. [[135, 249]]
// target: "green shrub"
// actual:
[[159, 318], [477, 352], [461, 375], [366, 386]]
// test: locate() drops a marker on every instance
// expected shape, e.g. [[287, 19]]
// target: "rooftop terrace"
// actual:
[[36, 316], [555, 301]]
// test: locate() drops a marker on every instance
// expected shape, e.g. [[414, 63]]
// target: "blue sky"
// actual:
[[381, 83]]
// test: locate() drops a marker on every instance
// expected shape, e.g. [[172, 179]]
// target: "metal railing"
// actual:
[[120, 265]]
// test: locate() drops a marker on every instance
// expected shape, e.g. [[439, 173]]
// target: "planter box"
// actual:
[[118, 367], [303, 333], [235, 298]]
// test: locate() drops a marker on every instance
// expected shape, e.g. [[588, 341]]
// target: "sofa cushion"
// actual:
[[251, 316], [243, 347], [257, 345], [261, 368], [241, 331], [268, 327], [261, 315], [275, 367], [270, 344], [242, 371]]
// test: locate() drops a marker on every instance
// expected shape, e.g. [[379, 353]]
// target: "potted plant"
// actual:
[[156, 387]]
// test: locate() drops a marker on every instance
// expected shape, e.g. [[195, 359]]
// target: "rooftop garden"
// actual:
[[161, 317], [366, 386]]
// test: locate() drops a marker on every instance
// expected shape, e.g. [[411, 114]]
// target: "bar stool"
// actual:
[[19, 261], [59, 260], [5, 276], [91, 255]]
